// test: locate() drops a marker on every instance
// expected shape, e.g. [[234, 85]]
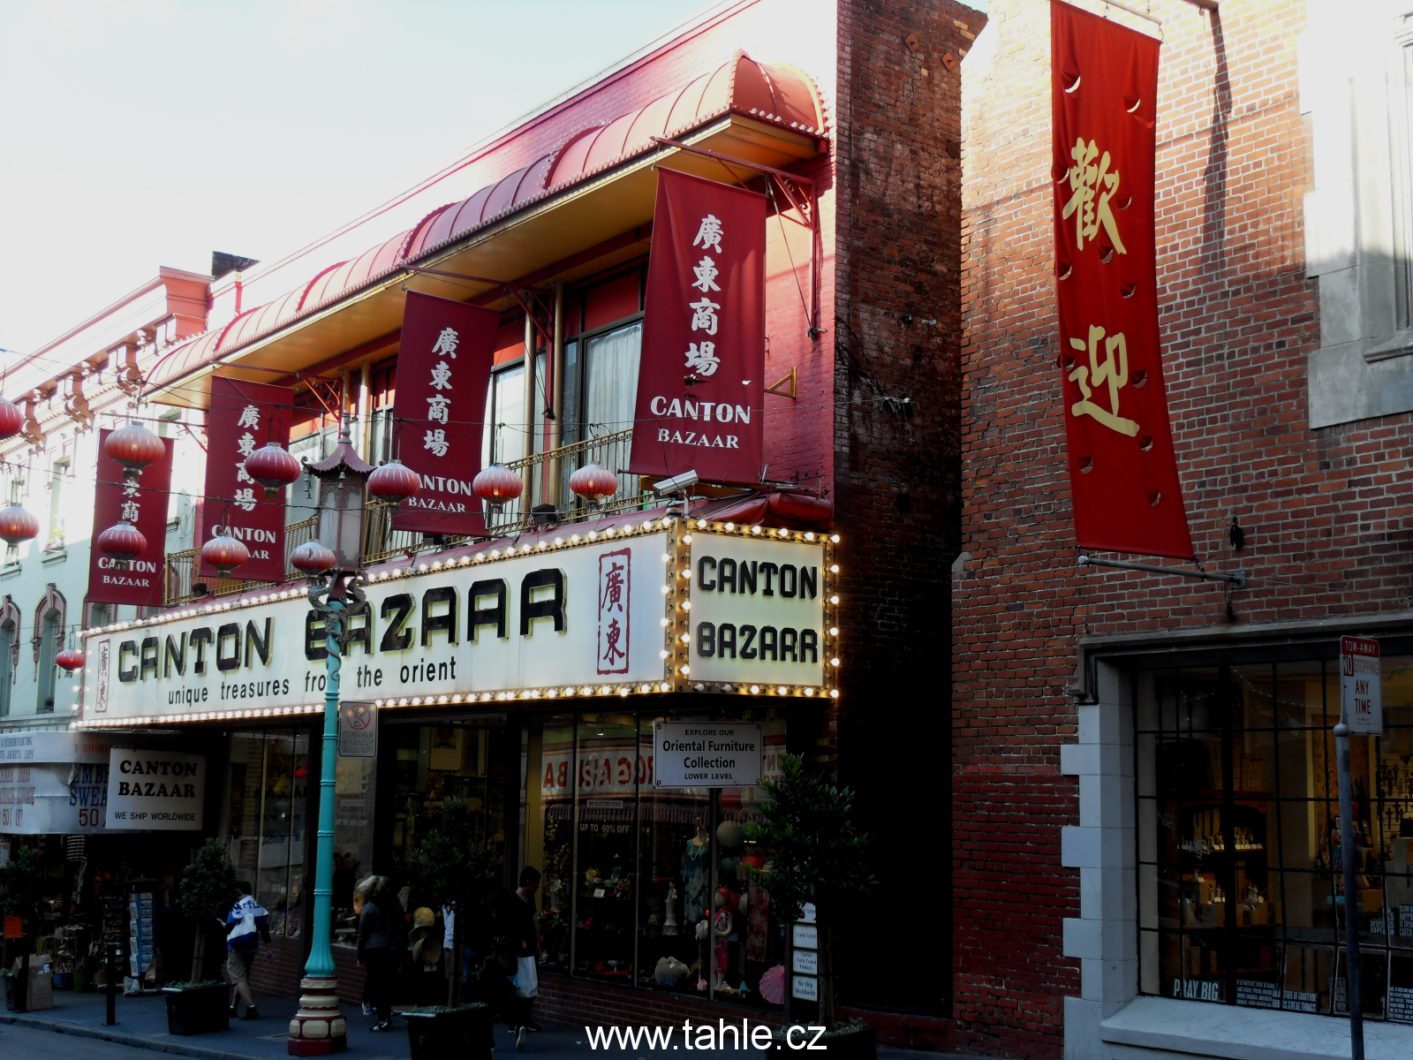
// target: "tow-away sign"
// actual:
[[1361, 687]]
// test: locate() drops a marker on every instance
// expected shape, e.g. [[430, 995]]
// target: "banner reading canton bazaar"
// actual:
[[243, 417], [1123, 474], [700, 392], [144, 504], [443, 369]]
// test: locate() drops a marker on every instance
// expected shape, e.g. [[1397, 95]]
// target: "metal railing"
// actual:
[[547, 477]]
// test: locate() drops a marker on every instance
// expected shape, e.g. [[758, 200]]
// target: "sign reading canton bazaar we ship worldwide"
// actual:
[[630, 609]]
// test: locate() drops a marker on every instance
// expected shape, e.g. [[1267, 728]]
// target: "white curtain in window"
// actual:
[[611, 380]]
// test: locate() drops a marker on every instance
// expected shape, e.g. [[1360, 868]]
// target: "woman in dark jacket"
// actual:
[[381, 940]]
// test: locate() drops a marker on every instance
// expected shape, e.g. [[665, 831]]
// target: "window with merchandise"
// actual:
[[1241, 892], [648, 886]]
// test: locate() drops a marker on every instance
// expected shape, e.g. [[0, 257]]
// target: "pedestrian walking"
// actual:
[[381, 941], [516, 934], [247, 925]]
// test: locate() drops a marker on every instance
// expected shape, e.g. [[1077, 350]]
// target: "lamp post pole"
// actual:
[[333, 564]]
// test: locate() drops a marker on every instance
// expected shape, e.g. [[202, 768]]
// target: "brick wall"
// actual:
[[896, 469], [1323, 510]]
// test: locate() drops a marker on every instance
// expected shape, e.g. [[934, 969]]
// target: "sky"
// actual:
[[141, 133]]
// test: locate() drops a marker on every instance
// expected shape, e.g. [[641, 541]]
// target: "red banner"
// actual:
[[1123, 474], [443, 369], [700, 392], [243, 417], [144, 504]]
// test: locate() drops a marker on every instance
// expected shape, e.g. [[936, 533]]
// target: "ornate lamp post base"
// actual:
[[318, 1028]]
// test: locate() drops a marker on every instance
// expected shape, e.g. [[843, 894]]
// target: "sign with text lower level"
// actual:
[[159, 791], [695, 754]]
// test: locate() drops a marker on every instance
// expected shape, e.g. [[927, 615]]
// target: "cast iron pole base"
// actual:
[[318, 1028]]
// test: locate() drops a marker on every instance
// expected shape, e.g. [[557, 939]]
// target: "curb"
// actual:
[[136, 1041]]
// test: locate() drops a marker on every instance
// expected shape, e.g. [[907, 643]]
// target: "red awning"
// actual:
[[777, 95]]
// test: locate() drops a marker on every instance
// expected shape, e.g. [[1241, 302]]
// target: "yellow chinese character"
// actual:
[[1111, 371], [1091, 187]]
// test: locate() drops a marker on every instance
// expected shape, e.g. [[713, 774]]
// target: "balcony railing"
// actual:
[[547, 475]]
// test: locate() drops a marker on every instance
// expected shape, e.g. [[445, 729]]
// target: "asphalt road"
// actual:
[[29, 1043]]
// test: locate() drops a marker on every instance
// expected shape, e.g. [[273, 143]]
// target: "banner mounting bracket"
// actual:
[[1236, 581]]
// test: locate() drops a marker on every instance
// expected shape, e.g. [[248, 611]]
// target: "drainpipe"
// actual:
[[527, 471], [557, 396]]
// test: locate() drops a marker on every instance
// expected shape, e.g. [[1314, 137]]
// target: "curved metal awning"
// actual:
[[574, 211]]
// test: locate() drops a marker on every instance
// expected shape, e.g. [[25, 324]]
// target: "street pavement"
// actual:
[[74, 1030]]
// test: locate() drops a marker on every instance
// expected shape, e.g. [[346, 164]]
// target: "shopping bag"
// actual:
[[526, 979]]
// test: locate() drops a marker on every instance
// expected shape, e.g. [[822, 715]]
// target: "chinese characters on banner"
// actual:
[[700, 390], [144, 504], [243, 417], [443, 370], [1123, 474]]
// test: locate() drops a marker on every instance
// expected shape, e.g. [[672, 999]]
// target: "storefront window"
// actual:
[[267, 806], [643, 885], [353, 839], [1241, 895]]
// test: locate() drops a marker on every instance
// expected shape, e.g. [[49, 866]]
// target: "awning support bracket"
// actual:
[[1236, 581]]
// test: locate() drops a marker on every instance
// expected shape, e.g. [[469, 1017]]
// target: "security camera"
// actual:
[[677, 483]]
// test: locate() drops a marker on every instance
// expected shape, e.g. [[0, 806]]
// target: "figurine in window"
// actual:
[[695, 874]]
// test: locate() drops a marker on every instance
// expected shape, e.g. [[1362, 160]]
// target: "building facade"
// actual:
[[847, 119], [1144, 786]]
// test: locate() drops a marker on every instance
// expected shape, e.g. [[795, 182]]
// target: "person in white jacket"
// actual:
[[247, 925]]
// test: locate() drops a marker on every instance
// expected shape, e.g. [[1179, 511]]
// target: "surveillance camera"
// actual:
[[686, 480]]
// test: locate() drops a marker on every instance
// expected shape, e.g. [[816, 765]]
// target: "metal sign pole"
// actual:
[[1351, 893]]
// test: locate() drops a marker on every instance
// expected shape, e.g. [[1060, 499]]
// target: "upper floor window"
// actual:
[[58, 477], [49, 619]]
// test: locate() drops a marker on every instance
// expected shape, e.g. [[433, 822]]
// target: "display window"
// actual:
[[1241, 887], [643, 885], [267, 810]]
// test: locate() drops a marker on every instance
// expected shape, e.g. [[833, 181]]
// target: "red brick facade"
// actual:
[[1322, 509]]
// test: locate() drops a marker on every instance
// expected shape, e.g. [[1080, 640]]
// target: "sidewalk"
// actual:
[[142, 1024]]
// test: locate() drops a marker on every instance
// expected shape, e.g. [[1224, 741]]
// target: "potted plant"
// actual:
[[208, 887], [21, 895], [815, 855], [449, 871]]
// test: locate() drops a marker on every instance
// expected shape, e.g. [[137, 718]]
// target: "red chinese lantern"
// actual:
[[593, 483], [497, 485], [394, 482], [225, 553], [122, 541], [69, 659], [272, 467], [12, 420], [134, 446], [312, 558], [17, 525]]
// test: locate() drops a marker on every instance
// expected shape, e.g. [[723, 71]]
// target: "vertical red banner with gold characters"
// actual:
[[443, 370], [1123, 473], [243, 417], [700, 392], [142, 503]]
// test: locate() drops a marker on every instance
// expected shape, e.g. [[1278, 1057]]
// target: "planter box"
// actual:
[[197, 1009], [464, 1032]]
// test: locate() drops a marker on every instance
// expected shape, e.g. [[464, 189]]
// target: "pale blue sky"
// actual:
[[139, 133]]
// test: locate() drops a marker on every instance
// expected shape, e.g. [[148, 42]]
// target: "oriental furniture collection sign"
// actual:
[[648, 607]]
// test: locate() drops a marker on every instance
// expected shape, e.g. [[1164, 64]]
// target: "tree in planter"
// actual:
[[815, 854], [208, 889], [449, 870], [22, 894]]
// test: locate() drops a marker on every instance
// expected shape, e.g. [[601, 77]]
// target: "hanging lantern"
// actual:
[[394, 482], [69, 659], [497, 485], [594, 483], [225, 553], [134, 446], [122, 541], [312, 558], [272, 467], [12, 420], [17, 525]]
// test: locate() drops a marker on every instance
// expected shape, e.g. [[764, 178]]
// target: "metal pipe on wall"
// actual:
[[365, 412], [557, 394], [527, 472]]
